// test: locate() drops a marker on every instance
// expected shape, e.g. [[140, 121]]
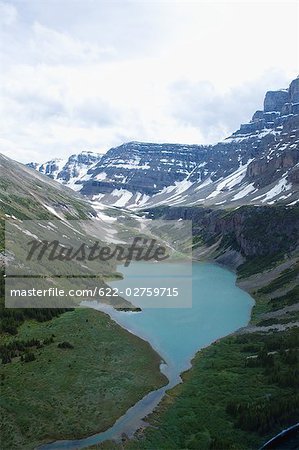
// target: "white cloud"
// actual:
[[107, 72], [219, 112], [8, 14], [53, 47]]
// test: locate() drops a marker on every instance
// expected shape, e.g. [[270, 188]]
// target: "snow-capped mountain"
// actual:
[[258, 164], [71, 171]]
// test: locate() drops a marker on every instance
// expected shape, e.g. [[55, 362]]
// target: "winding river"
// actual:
[[219, 307]]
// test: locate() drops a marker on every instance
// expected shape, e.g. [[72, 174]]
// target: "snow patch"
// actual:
[[124, 196], [100, 176], [280, 187], [245, 191]]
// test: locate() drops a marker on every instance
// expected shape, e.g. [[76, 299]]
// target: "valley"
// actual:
[[241, 196]]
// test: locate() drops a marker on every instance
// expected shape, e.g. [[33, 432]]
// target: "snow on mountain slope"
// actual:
[[72, 171], [258, 164], [143, 167]]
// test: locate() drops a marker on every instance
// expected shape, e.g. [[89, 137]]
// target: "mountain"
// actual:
[[258, 165], [71, 171], [27, 194], [259, 242], [28, 197], [34, 205], [255, 237]]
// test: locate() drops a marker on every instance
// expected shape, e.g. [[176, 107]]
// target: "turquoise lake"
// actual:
[[219, 308]]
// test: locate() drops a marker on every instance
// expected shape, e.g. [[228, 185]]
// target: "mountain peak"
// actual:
[[279, 105], [68, 171]]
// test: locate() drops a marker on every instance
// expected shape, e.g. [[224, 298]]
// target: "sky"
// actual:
[[91, 74]]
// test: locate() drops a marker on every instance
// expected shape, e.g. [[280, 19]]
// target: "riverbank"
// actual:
[[224, 367], [218, 309], [73, 390], [242, 389]]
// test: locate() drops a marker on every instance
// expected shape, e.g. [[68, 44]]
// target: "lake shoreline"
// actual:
[[174, 376], [86, 388]]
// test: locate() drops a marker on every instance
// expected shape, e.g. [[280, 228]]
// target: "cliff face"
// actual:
[[143, 167], [252, 231], [261, 231], [280, 113], [265, 170]]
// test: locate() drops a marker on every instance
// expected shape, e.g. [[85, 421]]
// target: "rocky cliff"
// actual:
[[257, 235]]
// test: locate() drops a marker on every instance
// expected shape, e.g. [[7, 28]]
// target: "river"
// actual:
[[219, 307]]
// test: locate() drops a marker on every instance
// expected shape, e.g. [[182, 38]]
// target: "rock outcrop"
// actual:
[[275, 100]]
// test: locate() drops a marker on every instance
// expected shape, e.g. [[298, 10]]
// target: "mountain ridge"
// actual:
[[257, 164], [69, 171]]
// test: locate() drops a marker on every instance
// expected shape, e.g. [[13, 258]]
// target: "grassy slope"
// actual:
[[195, 414], [74, 392]]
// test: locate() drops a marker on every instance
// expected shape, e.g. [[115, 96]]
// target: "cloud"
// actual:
[[53, 47], [8, 14], [100, 73], [215, 112], [96, 112]]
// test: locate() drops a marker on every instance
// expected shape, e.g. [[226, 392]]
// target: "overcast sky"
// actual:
[[92, 74]]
